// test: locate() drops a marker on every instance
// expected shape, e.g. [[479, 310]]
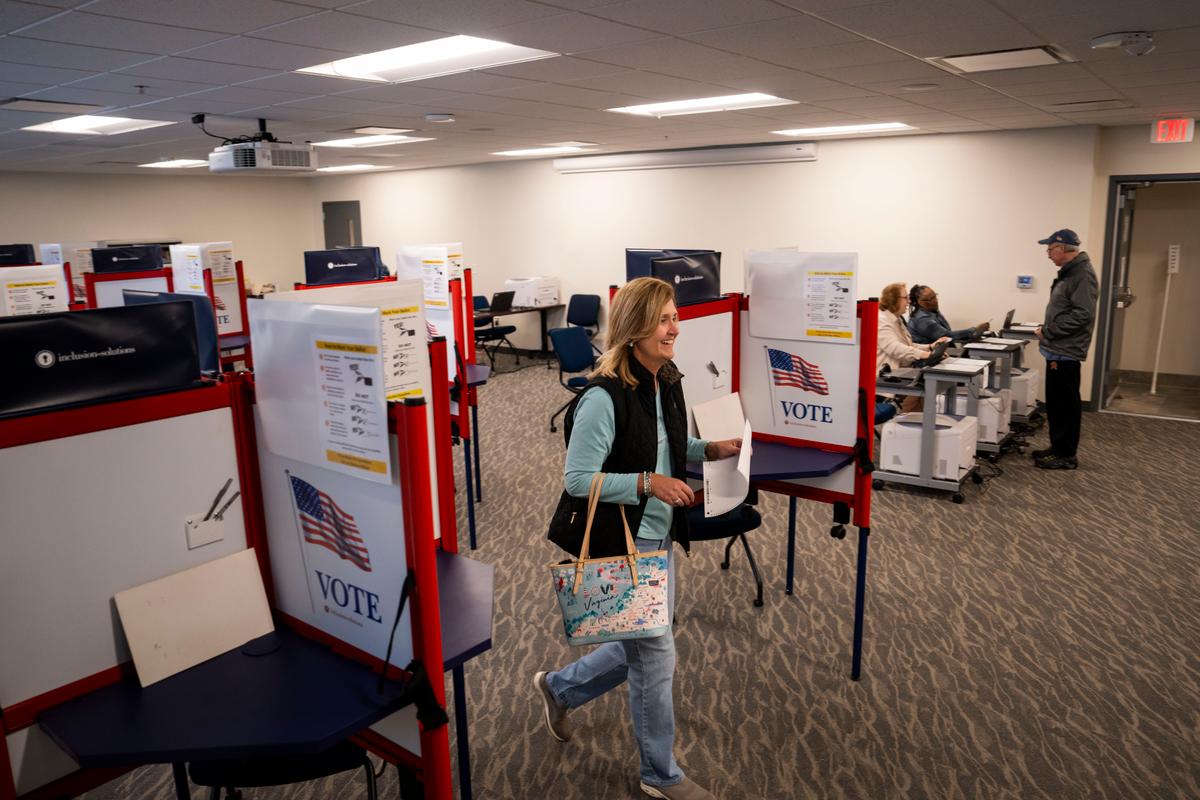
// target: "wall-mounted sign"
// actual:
[[1172, 131]]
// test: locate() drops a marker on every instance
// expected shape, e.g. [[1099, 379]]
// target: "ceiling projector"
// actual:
[[263, 157], [260, 152]]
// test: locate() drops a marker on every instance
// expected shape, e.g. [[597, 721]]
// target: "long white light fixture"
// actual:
[[372, 141], [839, 130], [543, 151], [176, 163], [351, 168], [92, 125], [705, 105], [430, 59]]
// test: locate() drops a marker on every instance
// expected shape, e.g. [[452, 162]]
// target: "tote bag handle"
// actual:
[[584, 554]]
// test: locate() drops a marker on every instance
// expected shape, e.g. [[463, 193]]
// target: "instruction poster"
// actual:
[[353, 417], [188, 262], [435, 265], [320, 385], [403, 348], [33, 290], [822, 287]]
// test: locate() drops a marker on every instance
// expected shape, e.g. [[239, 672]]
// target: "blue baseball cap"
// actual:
[[1065, 236]]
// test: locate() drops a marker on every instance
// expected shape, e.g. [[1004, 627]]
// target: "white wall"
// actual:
[[962, 212], [1164, 214], [266, 218]]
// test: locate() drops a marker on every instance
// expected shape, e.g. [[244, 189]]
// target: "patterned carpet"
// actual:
[[1038, 641]]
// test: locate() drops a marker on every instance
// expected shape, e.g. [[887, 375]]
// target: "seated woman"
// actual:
[[926, 323], [895, 347]]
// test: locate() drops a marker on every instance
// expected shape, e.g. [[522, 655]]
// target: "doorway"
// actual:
[[343, 224], [1148, 362]]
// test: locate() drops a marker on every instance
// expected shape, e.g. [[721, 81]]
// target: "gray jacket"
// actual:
[[1071, 312]]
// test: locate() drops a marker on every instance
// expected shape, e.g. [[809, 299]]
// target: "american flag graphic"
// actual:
[[791, 370], [324, 523]]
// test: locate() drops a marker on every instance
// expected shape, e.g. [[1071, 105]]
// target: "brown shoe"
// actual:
[[554, 713], [686, 789]]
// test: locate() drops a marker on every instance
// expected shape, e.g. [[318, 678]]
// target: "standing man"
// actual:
[[1063, 338]]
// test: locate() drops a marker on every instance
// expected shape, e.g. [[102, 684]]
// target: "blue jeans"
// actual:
[[649, 665]]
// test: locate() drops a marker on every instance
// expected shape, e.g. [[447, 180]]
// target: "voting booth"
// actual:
[[796, 355], [322, 469]]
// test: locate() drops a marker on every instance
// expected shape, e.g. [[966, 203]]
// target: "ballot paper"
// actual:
[[727, 481]]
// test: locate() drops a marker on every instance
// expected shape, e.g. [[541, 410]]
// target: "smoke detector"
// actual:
[[1136, 43]]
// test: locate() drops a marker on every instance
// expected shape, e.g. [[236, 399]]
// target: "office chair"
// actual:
[[487, 331], [732, 525], [584, 310], [280, 770], [574, 352]]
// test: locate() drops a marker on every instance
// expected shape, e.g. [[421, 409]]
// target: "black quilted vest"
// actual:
[[634, 449]]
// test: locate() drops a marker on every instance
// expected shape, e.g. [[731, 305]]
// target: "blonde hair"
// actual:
[[889, 298], [635, 314]]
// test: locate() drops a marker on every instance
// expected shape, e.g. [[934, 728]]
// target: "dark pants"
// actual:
[[1063, 408]]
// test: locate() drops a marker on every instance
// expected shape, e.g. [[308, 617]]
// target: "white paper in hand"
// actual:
[[727, 481]]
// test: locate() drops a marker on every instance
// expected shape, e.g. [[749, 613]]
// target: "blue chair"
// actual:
[[583, 310], [574, 352], [488, 332], [234, 774], [732, 525], [884, 411]]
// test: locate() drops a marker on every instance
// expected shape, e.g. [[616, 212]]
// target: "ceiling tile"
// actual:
[[190, 69], [564, 68], [225, 16], [455, 16], [681, 59], [1159, 78], [8, 89], [651, 85], [14, 16], [268, 55], [400, 93], [569, 95], [188, 104], [299, 82], [838, 56], [687, 16], [912, 70], [247, 97], [79, 28], [1055, 87], [150, 87], [887, 20], [45, 76], [1053, 72], [56, 54], [335, 102], [777, 41], [568, 33], [338, 31], [70, 94]]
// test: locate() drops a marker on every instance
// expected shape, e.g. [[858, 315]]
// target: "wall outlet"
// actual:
[[201, 531]]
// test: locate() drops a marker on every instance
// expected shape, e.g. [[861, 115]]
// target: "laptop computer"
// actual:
[[935, 355], [501, 302], [1008, 318]]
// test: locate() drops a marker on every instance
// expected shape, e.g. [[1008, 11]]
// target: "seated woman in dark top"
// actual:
[[926, 323]]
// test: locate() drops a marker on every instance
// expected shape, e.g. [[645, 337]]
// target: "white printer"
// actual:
[[953, 452], [994, 412], [1025, 385], [533, 292]]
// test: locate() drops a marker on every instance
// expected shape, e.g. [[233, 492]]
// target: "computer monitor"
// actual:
[[1008, 319], [206, 321], [134, 258], [696, 277], [637, 259], [501, 302], [342, 265], [17, 255]]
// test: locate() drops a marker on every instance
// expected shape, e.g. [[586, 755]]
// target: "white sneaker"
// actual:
[[555, 714]]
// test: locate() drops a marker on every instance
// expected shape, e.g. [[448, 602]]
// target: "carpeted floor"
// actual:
[[1038, 641]]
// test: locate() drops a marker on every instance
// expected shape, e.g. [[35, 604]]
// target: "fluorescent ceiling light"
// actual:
[[47, 106], [542, 151], [372, 141], [838, 130], [378, 131], [351, 168], [176, 163], [428, 60], [88, 124], [705, 105], [1002, 59]]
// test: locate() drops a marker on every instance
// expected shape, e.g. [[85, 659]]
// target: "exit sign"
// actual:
[[1170, 131]]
